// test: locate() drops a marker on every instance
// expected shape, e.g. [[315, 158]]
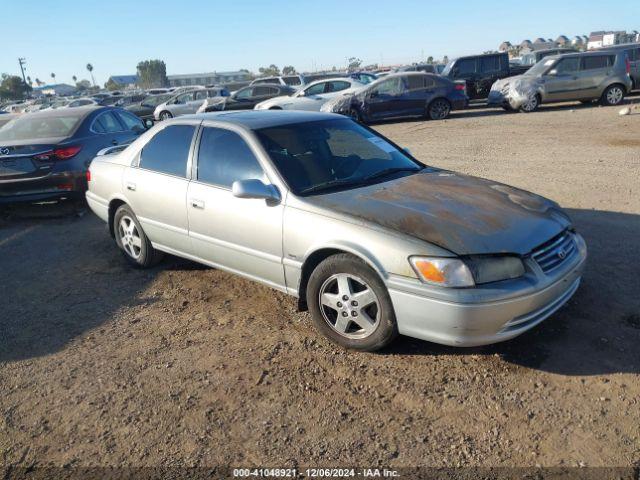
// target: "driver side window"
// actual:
[[315, 89], [246, 93]]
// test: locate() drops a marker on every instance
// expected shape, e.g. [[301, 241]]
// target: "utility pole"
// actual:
[[22, 63]]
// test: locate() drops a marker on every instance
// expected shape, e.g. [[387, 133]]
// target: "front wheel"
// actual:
[[531, 105], [613, 95], [165, 115], [439, 109], [131, 239], [350, 304]]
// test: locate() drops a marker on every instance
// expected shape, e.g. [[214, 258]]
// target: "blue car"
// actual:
[[45, 155], [402, 95]]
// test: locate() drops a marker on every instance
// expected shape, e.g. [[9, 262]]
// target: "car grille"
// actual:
[[555, 252]]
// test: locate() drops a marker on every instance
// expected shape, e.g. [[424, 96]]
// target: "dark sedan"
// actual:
[[246, 98], [146, 107], [402, 95], [44, 155]]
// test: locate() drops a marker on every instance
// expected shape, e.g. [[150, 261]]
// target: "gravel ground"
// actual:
[[184, 365]]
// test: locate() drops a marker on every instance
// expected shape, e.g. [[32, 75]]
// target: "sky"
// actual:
[[212, 35]]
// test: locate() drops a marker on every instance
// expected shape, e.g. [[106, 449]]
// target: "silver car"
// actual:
[[313, 96], [187, 103], [371, 240], [586, 77]]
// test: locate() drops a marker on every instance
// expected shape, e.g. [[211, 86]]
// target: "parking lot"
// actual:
[[101, 364]]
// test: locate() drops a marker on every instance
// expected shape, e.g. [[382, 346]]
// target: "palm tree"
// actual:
[[90, 68], [74, 78], [53, 75], [38, 82], [28, 80]]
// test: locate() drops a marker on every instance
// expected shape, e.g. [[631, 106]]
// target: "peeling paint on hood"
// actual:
[[465, 215]]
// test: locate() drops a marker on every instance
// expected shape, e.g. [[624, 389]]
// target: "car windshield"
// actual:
[[541, 67], [318, 156], [34, 126], [448, 67]]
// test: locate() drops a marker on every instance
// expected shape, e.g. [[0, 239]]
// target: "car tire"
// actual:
[[132, 241], [165, 115], [439, 109], [355, 115], [275, 108], [350, 305], [613, 95], [531, 105], [508, 108]]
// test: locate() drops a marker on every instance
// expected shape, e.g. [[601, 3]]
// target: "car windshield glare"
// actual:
[[332, 153], [36, 126], [540, 67]]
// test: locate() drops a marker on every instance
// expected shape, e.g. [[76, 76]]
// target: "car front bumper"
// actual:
[[54, 186], [487, 316], [496, 99]]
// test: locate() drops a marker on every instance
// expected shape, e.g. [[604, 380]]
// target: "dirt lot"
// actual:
[[184, 365]]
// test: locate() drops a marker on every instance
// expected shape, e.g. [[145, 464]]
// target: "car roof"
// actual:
[[257, 119], [70, 112], [590, 53]]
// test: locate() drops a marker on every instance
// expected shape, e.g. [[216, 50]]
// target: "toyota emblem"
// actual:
[[4, 151], [562, 254]]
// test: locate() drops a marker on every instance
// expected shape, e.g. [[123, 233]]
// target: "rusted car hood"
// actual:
[[463, 214]]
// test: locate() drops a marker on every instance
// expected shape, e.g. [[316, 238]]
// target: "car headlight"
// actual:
[[474, 270], [445, 272], [487, 269]]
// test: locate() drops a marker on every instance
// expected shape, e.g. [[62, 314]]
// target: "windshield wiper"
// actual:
[[331, 184], [389, 171]]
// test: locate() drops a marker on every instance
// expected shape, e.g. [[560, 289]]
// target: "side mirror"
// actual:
[[148, 123], [302, 93], [374, 94], [553, 73], [255, 189]]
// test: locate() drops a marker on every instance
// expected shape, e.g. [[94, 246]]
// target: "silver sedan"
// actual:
[[369, 239]]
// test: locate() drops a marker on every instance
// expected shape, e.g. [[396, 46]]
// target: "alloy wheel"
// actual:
[[349, 305], [614, 95], [439, 110], [531, 104], [130, 237]]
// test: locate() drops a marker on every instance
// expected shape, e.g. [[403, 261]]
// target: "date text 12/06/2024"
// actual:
[[315, 473]]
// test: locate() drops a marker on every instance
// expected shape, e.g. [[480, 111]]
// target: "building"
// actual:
[[213, 78], [124, 81], [54, 89], [608, 38], [563, 41], [505, 46]]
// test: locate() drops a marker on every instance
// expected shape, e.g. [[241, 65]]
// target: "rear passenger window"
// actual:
[[336, 86], [224, 157], [593, 62], [130, 121], [415, 82], [262, 91], [106, 123], [489, 64], [168, 150]]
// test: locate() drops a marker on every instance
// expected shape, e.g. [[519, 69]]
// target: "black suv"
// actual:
[[480, 72]]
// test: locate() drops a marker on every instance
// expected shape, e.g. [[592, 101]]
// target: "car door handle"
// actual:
[[131, 186], [197, 204]]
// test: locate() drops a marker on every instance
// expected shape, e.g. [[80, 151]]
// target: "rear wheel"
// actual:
[[613, 95], [132, 240], [439, 109], [531, 105], [350, 304], [165, 115]]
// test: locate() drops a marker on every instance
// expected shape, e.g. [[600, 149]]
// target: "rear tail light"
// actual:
[[460, 86], [88, 175], [64, 153]]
